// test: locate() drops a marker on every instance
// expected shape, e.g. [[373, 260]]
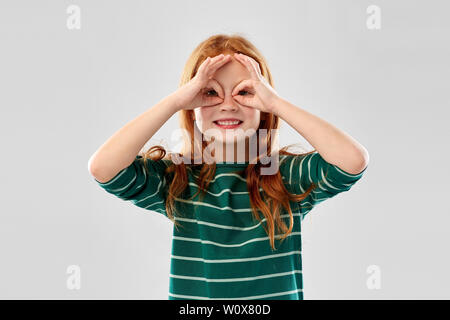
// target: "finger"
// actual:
[[210, 61], [238, 57], [215, 66], [245, 60], [238, 88], [217, 58], [242, 100], [204, 64], [212, 83], [211, 101], [256, 66], [242, 85], [220, 62], [253, 69]]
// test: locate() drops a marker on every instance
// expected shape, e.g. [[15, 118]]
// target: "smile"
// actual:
[[228, 124]]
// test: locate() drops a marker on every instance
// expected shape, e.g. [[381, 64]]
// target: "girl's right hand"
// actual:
[[194, 94]]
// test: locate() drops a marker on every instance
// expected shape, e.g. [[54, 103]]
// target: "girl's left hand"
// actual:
[[260, 94]]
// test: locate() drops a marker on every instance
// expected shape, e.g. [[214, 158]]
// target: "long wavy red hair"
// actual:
[[274, 191]]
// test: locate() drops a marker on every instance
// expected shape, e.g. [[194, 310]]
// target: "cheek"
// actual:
[[254, 119], [202, 114], [202, 118]]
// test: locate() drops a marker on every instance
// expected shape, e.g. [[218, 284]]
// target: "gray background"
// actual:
[[64, 92]]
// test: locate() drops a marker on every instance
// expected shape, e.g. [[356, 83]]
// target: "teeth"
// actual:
[[227, 123]]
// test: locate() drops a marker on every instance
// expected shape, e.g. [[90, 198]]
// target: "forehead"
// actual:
[[231, 73]]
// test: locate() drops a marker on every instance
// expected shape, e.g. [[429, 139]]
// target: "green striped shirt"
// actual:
[[220, 251]]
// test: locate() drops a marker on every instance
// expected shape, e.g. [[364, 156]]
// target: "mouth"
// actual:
[[228, 124]]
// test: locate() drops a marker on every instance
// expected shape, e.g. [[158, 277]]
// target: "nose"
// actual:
[[229, 103]]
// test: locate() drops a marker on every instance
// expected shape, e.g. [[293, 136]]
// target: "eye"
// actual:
[[210, 90]]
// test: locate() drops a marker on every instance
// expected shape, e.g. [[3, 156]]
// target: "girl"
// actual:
[[222, 248]]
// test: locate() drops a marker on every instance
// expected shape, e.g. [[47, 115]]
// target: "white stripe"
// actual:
[[205, 204], [238, 259], [304, 213], [301, 174], [162, 202], [224, 190], [231, 245], [291, 166], [240, 298], [123, 188], [325, 181], [290, 170], [157, 192], [135, 201], [316, 201], [200, 203], [272, 275], [312, 204], [321, 187], [230, 227], [309, 167], [224, 175], [310, 196]]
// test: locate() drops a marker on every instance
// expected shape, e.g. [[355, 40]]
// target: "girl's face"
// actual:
[[227, 77]]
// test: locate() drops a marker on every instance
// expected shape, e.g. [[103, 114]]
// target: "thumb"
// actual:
[[238, 98], [241, 86], [211, 101], [243, 100]]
